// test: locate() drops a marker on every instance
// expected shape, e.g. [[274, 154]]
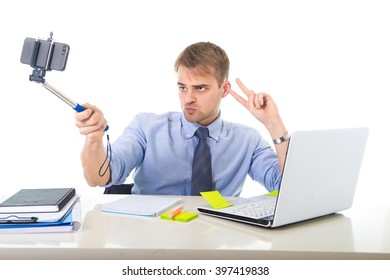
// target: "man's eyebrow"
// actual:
[[201, 85], [194, 86]]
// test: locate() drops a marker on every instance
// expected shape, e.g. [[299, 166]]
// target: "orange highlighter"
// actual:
[[176, 212]]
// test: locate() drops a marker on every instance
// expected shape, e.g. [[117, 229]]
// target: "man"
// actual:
[[161, 147]]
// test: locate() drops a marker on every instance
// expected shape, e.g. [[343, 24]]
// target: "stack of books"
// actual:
[[41, 210]]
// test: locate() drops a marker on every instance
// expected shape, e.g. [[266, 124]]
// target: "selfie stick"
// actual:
[[77, 107], [38, 75]]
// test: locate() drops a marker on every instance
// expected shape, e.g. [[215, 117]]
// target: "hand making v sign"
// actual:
[[261, 105], [264, 109]]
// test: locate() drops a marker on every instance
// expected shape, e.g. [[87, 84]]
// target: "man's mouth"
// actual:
[[190, 110]]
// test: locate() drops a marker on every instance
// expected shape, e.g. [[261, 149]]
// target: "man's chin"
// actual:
[[191, 118]]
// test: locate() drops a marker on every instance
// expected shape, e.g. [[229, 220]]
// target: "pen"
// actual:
[[176, 212]]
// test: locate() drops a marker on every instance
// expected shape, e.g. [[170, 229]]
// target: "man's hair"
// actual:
[[205, 58]]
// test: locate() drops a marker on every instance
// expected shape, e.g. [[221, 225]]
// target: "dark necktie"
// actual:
[[201, 166]]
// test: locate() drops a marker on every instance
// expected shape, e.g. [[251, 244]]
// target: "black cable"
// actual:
[[108, 157]]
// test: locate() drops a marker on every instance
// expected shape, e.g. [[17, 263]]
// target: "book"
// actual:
[[39, 216], [70, 222], [141, 205], [37, 200]]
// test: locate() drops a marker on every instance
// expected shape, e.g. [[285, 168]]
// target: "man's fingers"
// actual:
[[90, 120], [84, 115], [239, 98], [243, 87], [87, 129], [256, 100]]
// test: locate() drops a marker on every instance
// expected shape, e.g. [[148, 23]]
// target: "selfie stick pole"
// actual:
[[77, 107], [67, 100]]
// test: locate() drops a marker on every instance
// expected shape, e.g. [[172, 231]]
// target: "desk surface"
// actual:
[[352, 234]]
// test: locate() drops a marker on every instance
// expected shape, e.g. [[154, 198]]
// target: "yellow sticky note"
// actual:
[[181, 217], [273, 193], [215, 199]]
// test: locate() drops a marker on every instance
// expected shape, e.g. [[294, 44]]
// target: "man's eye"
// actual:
[[182, 88], [201, 88]]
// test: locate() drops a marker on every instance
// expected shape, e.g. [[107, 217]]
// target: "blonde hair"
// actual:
[[205, 58]]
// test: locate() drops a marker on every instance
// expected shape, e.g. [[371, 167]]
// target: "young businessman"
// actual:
[[161, 147]]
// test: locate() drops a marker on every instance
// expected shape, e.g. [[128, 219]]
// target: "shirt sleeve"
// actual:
[[265, 167], [128, 150]]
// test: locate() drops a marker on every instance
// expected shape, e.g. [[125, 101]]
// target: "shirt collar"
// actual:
[[215, 128]]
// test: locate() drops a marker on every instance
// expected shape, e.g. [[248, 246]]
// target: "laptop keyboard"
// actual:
[[255, 210]]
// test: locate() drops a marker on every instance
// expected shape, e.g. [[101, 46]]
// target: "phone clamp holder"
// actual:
[[38, 75]]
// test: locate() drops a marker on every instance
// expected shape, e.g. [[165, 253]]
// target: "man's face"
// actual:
[[200, 96]]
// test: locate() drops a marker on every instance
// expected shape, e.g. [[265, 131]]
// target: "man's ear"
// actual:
[[226, 86]]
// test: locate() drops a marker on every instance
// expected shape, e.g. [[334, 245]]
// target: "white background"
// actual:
[[326, 63]]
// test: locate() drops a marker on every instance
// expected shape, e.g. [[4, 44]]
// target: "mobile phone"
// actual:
[[45, 54]]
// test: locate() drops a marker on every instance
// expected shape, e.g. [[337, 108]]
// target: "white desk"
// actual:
[[353, 234]]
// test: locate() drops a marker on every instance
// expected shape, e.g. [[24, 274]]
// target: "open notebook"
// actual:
[[319, 178], [141, 205]]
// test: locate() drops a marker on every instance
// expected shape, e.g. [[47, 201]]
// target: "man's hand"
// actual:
[[91, 122], [261, 105]]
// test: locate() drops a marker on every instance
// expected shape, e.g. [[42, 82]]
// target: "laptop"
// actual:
[[320, 175]]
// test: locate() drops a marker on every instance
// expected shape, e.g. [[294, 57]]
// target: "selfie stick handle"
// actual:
[[77, 107]]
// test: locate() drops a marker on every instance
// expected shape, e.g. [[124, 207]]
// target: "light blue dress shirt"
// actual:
[[160, 149]]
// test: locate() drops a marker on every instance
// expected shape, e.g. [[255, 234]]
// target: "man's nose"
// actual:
[[190, 96]]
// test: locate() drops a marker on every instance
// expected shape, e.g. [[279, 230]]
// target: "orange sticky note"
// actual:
[[215, 199]]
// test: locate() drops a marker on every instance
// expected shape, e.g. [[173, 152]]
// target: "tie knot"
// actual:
[[202, 133]]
